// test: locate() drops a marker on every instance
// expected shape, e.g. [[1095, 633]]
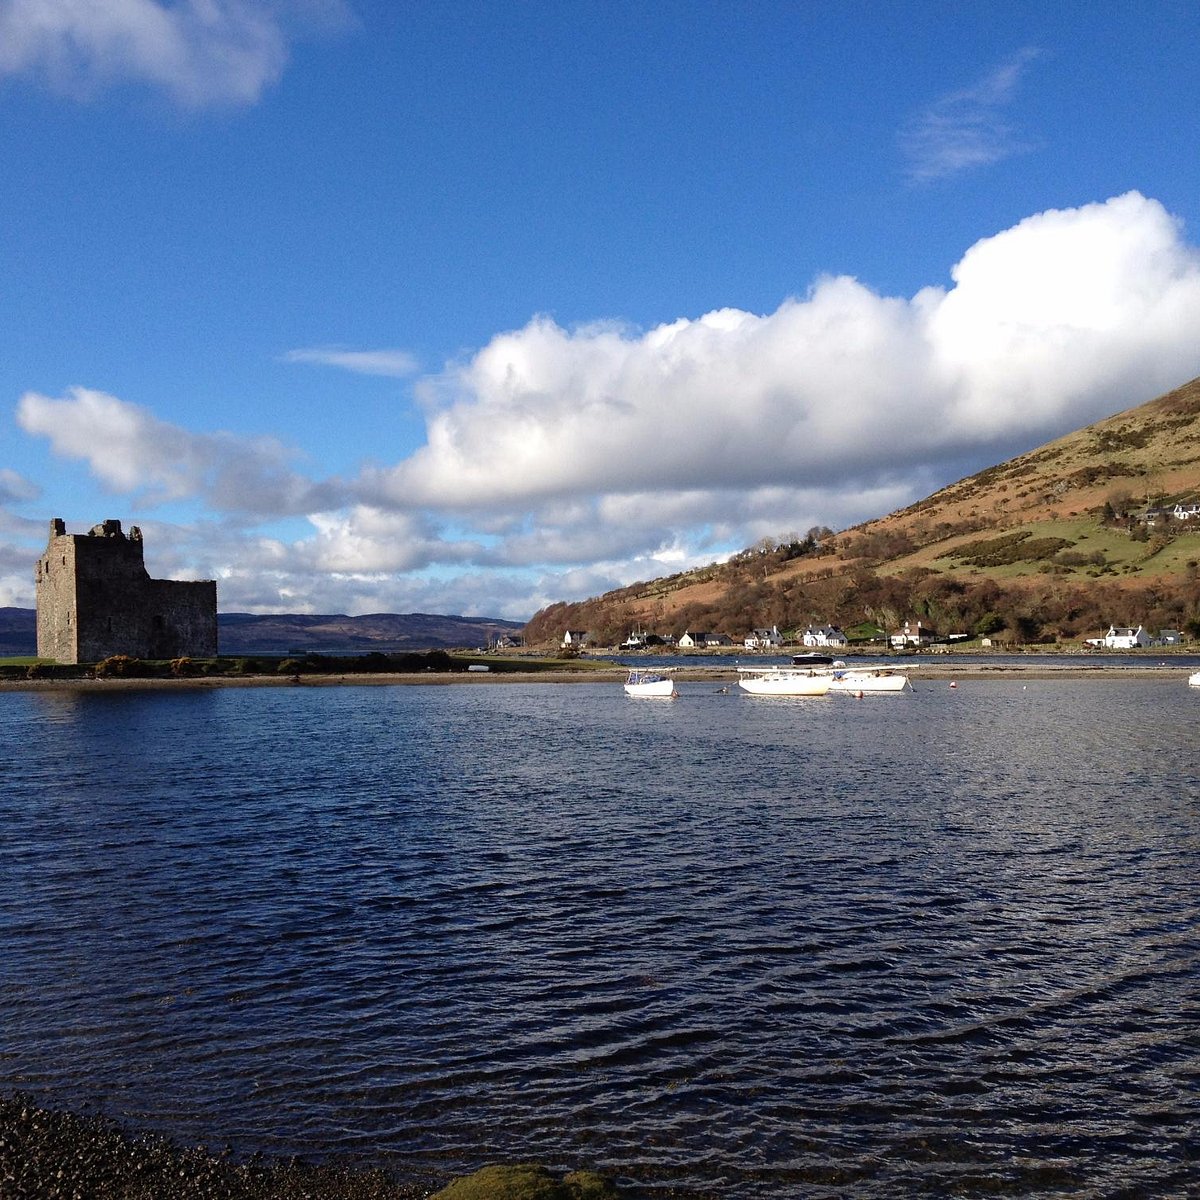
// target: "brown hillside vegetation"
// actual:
[[1051, 545]]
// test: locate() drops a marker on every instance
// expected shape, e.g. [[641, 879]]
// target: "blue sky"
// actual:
[[359, 306]]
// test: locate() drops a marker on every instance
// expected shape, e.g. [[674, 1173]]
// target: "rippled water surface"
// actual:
[[945, 943]]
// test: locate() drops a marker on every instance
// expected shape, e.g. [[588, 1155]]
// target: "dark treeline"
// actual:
[[1039, 611]]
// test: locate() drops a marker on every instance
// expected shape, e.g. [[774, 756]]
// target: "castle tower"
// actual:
[[95, 599]]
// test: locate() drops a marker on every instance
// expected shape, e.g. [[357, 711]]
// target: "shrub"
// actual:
[[120, 666], [1077, 558]]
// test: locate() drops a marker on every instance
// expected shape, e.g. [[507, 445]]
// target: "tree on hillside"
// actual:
[[989, 623]]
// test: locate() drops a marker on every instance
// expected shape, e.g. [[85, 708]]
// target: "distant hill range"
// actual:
[[1053, 544], [292, 633], [18, 632]]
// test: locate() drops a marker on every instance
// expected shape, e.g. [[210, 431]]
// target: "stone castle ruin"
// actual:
[[95, 598]]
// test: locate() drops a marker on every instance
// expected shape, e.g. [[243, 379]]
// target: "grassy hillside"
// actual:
[[1048, 545]]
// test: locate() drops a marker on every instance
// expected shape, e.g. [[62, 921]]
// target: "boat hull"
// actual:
[[651, 689], [785, 683], [869, 681], [1194, 679]]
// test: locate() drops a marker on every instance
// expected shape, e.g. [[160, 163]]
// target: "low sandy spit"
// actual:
[[926, 669]]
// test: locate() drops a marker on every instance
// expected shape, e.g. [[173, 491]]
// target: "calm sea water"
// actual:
[[938, 944]]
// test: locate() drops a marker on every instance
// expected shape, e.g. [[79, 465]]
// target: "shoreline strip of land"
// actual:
[[918, 672]]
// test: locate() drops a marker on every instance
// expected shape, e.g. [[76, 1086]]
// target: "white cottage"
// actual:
[[764, 639], [824, 635], [1127, 639], [911, 635]]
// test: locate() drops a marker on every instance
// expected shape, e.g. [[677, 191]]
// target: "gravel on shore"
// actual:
[[53, 1154], [48, 1154]]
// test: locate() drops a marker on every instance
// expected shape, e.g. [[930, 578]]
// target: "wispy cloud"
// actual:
[[133, 453], [395, 363], [201, 52], [16, 487], [968, 128]]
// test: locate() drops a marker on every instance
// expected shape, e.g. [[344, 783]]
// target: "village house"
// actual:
[[575, 639], [693, 641], [1124, 638], [824, 635], [912, 635], [1189, 511], [639, 640], [764, 639]]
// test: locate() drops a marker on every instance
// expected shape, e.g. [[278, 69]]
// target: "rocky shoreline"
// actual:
[[51, 1154]]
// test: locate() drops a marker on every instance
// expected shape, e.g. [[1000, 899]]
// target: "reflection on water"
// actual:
[[736, 947]]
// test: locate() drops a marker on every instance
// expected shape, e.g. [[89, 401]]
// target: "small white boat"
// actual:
[[654, 684], [783, 681], [868, 679], [1194, 679]]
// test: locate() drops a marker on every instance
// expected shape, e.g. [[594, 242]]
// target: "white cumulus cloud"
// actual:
[[560, 462], [199, 51], [366, 540], [1063, 318]]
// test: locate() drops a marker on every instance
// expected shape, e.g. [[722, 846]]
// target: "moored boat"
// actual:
[[868, 679], [1194, 679], [656, 685], [783, 681]]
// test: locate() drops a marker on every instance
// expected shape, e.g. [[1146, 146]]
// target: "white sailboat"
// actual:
[[784, 681], [656, 685]]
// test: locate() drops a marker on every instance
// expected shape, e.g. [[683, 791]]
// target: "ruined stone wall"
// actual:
[[96, 599], [154, 618], [57, 612]]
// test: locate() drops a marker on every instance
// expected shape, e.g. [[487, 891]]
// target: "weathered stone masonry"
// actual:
[[95, 598]]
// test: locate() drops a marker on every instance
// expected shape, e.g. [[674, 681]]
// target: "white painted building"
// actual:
[[824, 635], [1124, 638], [764, 639], [911, 635]]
